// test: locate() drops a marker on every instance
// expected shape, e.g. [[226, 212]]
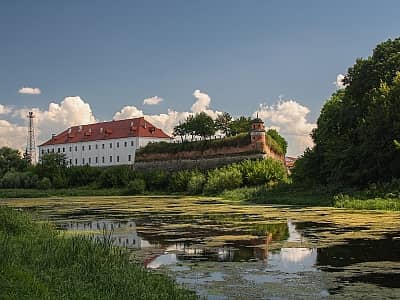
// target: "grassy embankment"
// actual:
[[37, 263], [380, 198]]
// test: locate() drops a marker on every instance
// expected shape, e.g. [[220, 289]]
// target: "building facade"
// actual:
[[104, 144]]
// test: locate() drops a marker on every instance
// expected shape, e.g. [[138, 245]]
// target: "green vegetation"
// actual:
[[164, 147], [356, 131], [36, 263]]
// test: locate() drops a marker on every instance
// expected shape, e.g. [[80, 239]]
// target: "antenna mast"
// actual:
[[31, 147]]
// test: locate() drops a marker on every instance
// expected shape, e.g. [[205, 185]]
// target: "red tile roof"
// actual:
[[137, 127]]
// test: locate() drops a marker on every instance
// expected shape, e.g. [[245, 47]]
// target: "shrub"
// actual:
[[44, 184], [156, 179], [225, 178], [136, 186], [196, 183], [258, 172], [11, 179], [82, 175], [116, 176], [178, 181]]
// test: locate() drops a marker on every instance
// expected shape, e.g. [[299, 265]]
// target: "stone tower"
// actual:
[[258, 134]]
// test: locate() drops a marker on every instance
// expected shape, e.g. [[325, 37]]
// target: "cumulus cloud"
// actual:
[[153, 100], [4, 109], [29, 91], [167, 121], [12, 135], [290, 119], [56, 118], [339, 81]]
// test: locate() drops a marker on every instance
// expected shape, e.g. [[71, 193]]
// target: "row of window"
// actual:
[[59, 149], [96, 160]]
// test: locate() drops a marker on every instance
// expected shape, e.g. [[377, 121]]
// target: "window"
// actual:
[[48, 150], [76, 148], [83, 161], [97, 159], [76, 161], [83, 148], [52, 150], [129, 157], [117, 158], [58, 150], [63, 149], [42, 151], [117, 144], [97, 146], [126, 144], [132, 143], [110, 145], [102, 159], [70, 149], [90, 160], [102, 146], [110, 158], [70, 162], [90, 147]]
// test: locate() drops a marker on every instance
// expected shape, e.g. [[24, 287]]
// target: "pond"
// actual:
[[224, 250]]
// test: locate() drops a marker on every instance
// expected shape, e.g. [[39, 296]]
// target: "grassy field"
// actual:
[[37, 263]]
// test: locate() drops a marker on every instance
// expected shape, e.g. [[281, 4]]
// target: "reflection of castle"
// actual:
[[123, 233]]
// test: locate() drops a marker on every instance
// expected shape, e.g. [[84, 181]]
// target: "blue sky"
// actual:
[[241, 53]]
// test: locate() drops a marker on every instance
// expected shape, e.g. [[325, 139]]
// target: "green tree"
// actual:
[[10, 159], [223, 122], [357, 126], [53, 166], [240, 125], [203, 125]]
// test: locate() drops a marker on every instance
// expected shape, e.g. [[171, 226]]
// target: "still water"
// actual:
[[229, 251]]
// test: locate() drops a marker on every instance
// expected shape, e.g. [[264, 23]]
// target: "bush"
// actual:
[[258, 172], [156, 180], [82, 175], [178, 181], [225, 178], [117, 176], [196, 183], [136, 186], [44, 184]]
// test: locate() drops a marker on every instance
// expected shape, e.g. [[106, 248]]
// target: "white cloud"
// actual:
[[339, 81], [29, 90], [289, 118], [153, 100], [167, 121], [56, 118], [4, 109], [12, 135]]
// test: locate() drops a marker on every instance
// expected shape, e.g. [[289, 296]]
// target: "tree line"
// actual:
[[356, 139]]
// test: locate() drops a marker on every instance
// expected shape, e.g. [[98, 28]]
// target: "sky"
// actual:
[[75, 62]]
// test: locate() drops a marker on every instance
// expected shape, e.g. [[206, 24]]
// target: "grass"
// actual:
[[37, 263], [36, 193], [346, 201]]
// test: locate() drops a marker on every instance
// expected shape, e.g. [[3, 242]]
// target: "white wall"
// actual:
[[113, 151]]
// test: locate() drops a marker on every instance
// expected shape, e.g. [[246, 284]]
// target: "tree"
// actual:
[[180, 130], [53, 166], [203, 125], [357, 126], [242, 124], [223, 122], [10, 159]]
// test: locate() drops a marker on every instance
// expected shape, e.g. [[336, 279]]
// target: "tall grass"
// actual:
[[346, 201], [36, 263]]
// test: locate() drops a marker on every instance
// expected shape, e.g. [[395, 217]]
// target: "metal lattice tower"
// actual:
[[30, 145]]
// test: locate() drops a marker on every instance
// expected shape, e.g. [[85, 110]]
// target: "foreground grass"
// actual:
[[36, 263]]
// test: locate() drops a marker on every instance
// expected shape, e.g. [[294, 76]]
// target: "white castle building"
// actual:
[[104, 144]]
